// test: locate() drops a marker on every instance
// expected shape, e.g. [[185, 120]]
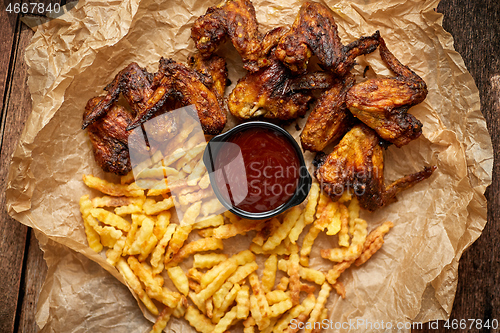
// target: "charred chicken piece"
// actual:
[[215, 71], [109, 137], [315, 32], [187, 86], [382, 104], [236, 20], [136, 85], [357, 164], [266, 94], [330, 119]]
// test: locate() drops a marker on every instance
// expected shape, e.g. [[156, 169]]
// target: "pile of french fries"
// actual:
[[221, 290]]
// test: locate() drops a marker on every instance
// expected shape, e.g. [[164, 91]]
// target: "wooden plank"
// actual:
[[7, 35], [475, 26], [34, 276]]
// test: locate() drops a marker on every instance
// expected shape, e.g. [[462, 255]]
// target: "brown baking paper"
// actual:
[[412, 278]]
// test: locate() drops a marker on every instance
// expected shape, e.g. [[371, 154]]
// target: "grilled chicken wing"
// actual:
[[382, 104], [236, 20], [215, 70], [315, 32], [330, 119], [136, 85], [266, 94], [109, 137], [357, 164]]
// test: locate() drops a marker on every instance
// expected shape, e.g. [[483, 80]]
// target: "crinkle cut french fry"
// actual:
[[208, 260], [327, 215], [116, 190], [151, 207], [268, 229], [218, 297], [297, 229], [319, 306], [243, 302], [344, 226], [312, 203], [324, 316], [354, 250], [180, 310], [201, 194], [116, 252], [162, 320], [108, 201], [283, 284], [191, 214], [258, 303], [135, 285], [353, 213], [293, 273], [373, 242], [285, 320], [157, 257], [197, 173], [323, 200], [307, 245], [143, 235], [226, 321], [304, 272], [180, 280], [269, 273], [110, 219], [276, 296], [136, 222], [227, 301], [240, 228], [218, 281], [242, 272], [200, 245], [211, 206], [249, 325], [161, 224], [190, 155], [204, 181], [92, 236], [210, 307], [196, 319], [279, 308], [178, 238], [127, 210], [194, 274], [147, 247], [194, 286], [279, 235], [279, 250], [157, 173], [241, 258], [334, 273], [340, 289], [335, 224], [214, 221]]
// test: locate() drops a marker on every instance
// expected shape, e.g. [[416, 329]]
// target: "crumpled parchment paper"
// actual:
[[412, 278]]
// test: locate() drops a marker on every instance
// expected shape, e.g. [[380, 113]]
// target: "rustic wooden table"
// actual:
[[475, 25]]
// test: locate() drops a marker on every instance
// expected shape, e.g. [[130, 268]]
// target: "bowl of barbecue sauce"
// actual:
[[257, 170]]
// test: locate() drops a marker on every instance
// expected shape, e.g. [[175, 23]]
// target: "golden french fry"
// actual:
[[283, 284], [178, 238], [307, 245], [323, 201], [312, 203], [143, 235], [297, 229], [226, 302], [241, 258], [269, 273], [194, 286], [147, 247], [249, 325], [194, 274], [299, 310], [191, 155], [232, 217], [208, 260], [127, 210], [279, 250], [304, 272], [196, 319], [136, 222], [327, 215], [211, 206], [354, 250], [196, 173], [334, 273], [293, 273], [161, 224], [204, 181], [276, 296], [258, 303], [180, 280], [334, 226], [243, 302], [210, 307], [242, 272], [279, 235], [191, 214], [116, 190], [226, 321], [108, 201], [344, 227], [214, 221], [279, 308], [340, 289], [162, 320], [186, 199], [157, 173], [92, 236], [240, 228], [151, 207], [353, 213], [128, 178], [269, 228], [318, 307], [157, 257], [134, 283], [115, 253], [200, 245], [373, 242], [110, 219], [221, 294]]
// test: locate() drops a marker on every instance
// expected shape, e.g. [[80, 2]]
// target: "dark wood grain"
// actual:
[[12, 233], [475, 26]]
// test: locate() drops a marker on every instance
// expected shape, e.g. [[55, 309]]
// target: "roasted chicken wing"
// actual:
[[215, 71], [382, 104], [266, 94], [315, 32], [109, 136], [357, 164], [330, 119], [236, 20]]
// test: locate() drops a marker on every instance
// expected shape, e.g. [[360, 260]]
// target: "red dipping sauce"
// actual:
[[257, 170]]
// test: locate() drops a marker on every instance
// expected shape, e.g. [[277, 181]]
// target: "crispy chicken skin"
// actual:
[[236, 20], [357, 164], [315, 32], [215, 70], [330, 119], [109, 136], [266, 94], [135, 84], [382, 104]]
